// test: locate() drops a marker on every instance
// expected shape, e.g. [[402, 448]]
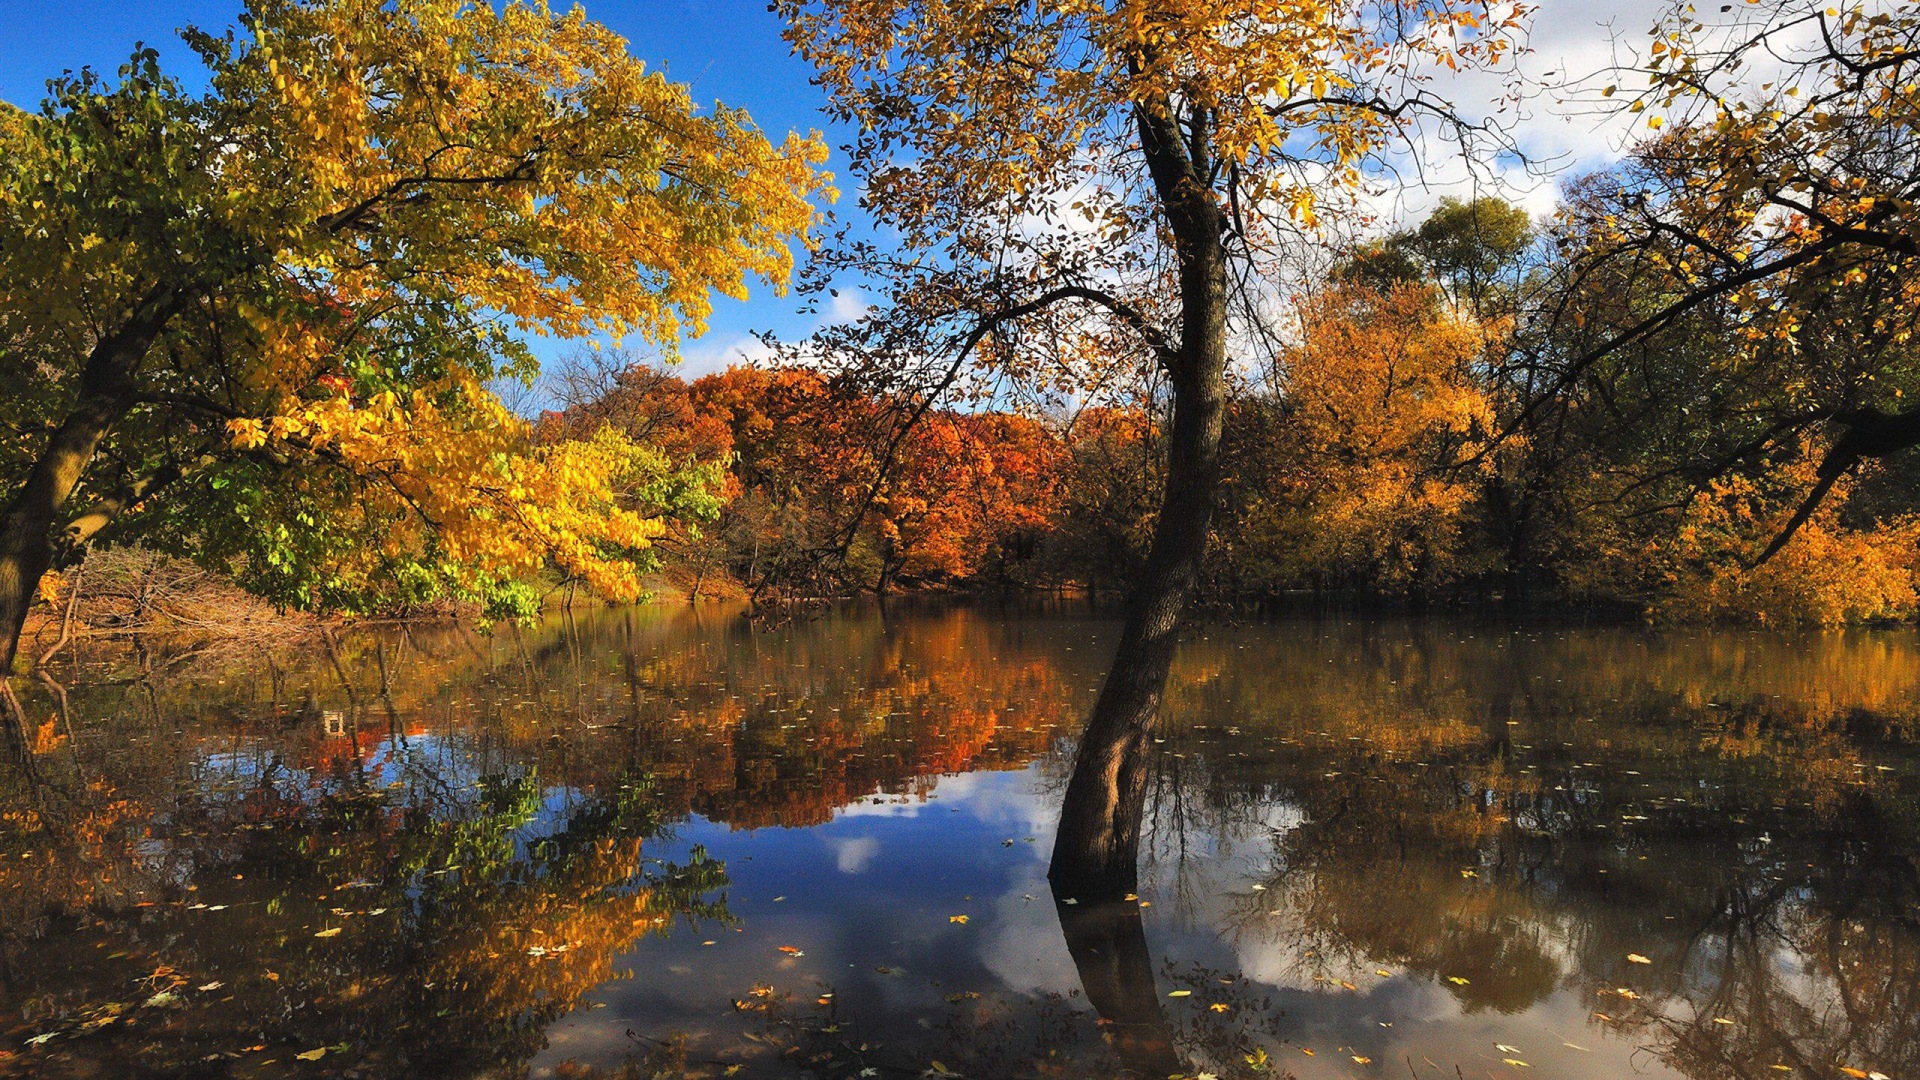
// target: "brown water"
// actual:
[[679, 843]]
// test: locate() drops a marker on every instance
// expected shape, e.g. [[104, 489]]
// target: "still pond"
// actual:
[[685, 842]]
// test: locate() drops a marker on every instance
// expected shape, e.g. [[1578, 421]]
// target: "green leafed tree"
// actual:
[[257, 323]]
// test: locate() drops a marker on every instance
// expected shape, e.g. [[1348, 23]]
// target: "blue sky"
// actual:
[[731, 51]]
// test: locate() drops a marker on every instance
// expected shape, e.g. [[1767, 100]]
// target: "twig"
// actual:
[[73, 604]]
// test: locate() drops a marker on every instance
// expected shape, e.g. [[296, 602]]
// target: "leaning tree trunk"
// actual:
[[27, 527], [1096, 850]]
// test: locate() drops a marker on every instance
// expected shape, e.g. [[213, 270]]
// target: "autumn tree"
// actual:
[[258, 322], [1350, 482], [1771, 213], [1084, 186]]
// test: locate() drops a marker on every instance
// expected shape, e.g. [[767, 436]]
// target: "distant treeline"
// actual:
[[1397, 447]]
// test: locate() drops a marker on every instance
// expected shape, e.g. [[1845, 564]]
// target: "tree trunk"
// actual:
[[27, 527], [1096, 850]]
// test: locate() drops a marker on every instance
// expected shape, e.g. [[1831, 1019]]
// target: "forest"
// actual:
[[1374, 457]]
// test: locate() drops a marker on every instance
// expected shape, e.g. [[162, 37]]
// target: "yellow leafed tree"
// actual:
[[1117, 171], [257, 323]]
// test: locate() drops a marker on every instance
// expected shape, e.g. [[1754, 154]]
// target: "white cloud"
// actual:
[[847, 305], [853, 856]]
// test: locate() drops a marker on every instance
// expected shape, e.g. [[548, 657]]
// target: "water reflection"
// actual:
[[682, 843]]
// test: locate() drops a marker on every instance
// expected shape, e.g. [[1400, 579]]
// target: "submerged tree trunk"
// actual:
[[1097, 847], [27, 527]]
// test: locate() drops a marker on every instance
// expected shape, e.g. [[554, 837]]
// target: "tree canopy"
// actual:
[[258, 323]]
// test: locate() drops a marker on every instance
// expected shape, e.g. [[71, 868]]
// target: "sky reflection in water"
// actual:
[[681, 842]]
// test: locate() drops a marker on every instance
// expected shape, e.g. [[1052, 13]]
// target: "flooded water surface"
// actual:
[[669, 842]]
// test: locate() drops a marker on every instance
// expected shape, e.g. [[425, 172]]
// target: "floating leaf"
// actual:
[[312, 1055], [1458, 981], [961, 919], [1636, 958], [328, 933], [791, 951]]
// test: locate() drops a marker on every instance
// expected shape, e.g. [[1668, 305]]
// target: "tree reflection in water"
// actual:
[[505, 831]]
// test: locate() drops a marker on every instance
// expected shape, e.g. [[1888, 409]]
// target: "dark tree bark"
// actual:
[[1097, 847], [27, 539]]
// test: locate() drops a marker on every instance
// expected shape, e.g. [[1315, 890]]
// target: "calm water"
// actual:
[[676, 843]]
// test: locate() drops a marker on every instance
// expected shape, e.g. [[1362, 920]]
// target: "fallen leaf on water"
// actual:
[[1458, 981], [1307, 1051], [1636, 958], [1505, 1049], [328, 933], [1383, 973], [1218, 1007], [1517, 1063], [1721, 1020], [1179, 993], [1348, 985], [1362, 1060], [791, 951], [312, 1055], [709, 943], [211, 986], [1857, 1074], [1069, 900], [1576, 1046], [961, 919]]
